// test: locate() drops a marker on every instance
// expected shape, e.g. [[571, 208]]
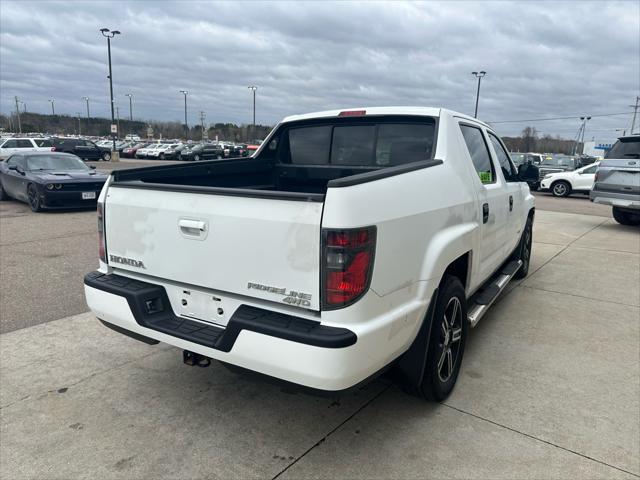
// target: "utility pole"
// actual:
[[635, 113], [86, 99], [18, 114], [202, 117], [79, 132], [53, 110], [479, 76]]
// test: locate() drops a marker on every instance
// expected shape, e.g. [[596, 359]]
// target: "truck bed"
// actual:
[[243, 175]]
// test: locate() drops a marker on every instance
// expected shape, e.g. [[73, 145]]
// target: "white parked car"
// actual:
[[160, 150], [9, 146], [352, 242], [563, 184], [144, 152]]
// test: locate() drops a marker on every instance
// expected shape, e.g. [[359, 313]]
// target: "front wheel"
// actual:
[[196, 158], [162, 156], [447, 341], [34, 198], [625, 218], [561, 189], [106, 156]]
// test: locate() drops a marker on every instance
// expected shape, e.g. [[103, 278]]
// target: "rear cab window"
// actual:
[[369, 142]]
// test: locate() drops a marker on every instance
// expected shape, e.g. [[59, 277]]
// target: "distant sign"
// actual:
[[114, 128]]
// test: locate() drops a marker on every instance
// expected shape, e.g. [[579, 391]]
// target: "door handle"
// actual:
[[485, 213], [192, 228], [510, 203]]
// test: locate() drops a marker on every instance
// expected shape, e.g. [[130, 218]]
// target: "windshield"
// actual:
[[625, 148], [55, 162], [518, 158], [559, 162]]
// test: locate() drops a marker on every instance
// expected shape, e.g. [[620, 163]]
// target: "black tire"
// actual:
[[3, 194], [106, 156], [447, 341], [161, 156], [625, 218], [34, 198], [561, 188], [523, 252], [196, 158], [219, 156]]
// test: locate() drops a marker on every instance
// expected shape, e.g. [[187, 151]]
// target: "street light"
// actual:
[[186, 127], [479, 76], [130, 112], [78, 115], [253, 88], [53, 110], [86, 99], [118, 120], [109, 35]]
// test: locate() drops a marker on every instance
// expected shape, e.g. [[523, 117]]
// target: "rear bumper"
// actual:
[[623, 200], [283, 346]]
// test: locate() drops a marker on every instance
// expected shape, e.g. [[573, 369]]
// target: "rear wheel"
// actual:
[[447, 341], [625, 218], [106, 156], [196, 158], [561, 189], [34, 198], [162, 156], [523, 252]]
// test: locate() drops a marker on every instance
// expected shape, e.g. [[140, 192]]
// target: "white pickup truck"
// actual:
[[350, 243]]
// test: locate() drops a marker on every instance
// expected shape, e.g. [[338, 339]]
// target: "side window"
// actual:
[[42, 142], [25, 144], [16, 160], [479, 153], [87, 143], [508, 170], [591, 169], [10, 144]]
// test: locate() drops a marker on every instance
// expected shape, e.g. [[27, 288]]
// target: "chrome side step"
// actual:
[[480, 302]]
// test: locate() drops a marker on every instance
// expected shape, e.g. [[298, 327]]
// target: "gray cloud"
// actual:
[[542, 58]]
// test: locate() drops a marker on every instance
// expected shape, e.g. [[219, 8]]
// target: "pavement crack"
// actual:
[[537, 439], [323, 439], [82, 380]]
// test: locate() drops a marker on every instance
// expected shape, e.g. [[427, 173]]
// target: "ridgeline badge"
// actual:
[[291, 297]]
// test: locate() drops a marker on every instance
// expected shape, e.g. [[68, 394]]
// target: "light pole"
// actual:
[[110, 34], [53, 110], [479, 76], [253, 88], [186, 127], [130, 112], [118, 122], [86, 99], [78, 115]]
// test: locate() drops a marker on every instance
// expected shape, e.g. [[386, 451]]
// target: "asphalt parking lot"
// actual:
[[550, 385]]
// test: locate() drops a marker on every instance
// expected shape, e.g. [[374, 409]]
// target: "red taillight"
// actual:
[[347, 265], [102, 245], [352, 113]]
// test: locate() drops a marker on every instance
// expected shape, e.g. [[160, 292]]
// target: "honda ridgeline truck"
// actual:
[[351, 242]]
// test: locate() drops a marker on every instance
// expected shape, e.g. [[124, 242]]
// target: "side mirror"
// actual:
[[19, 170]]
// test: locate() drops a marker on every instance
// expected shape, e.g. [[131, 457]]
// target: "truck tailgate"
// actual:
[[259, 247]]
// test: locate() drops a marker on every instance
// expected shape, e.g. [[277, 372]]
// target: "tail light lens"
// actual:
[[347, 265], [102, 243]]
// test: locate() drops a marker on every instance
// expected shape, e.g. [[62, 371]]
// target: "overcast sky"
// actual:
[[543, 59]]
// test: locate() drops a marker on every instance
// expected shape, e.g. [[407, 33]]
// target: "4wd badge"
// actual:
[[291, 297]]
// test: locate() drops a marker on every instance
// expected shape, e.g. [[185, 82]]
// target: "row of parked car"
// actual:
[[101, 150]]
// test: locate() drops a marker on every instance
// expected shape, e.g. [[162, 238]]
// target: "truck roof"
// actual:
[[398, 110]]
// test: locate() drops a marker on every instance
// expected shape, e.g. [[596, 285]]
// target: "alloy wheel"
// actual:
[[450, 336]]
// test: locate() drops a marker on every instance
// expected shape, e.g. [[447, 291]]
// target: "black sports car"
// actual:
[[50, 180]]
